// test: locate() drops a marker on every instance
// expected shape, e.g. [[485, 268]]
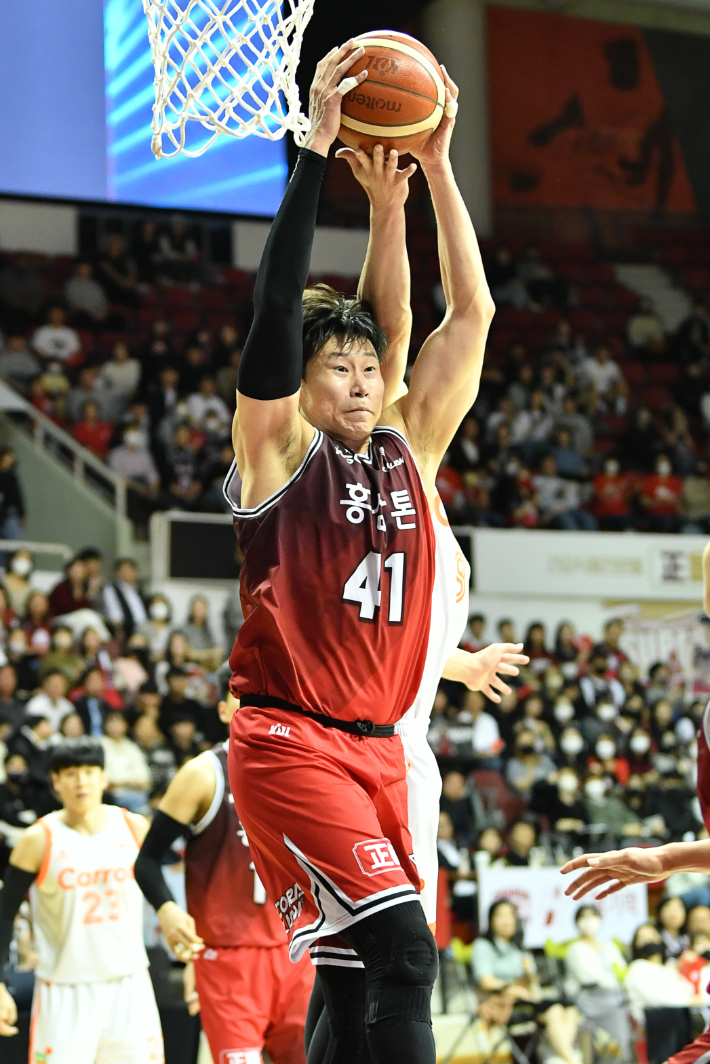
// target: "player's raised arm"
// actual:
[[385, 282], [616, 869], [20, 874], [270, 436], [187, 799], [446, 374]]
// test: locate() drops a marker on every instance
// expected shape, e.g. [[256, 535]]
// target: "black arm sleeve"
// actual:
[[161, 835], [271, 365], [15, 886]]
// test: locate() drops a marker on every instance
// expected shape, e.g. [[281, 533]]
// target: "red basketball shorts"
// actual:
[[251, 999], [325, 814]]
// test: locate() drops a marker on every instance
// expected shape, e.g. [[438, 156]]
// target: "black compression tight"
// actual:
[[386, 1016]]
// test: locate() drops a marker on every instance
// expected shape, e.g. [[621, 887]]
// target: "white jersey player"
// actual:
[[93, 1000]]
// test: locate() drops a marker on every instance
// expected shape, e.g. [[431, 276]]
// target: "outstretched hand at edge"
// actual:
[[613, 871]]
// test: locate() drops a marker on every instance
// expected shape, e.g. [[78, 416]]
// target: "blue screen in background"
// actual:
[[246, 176], [76, 96]]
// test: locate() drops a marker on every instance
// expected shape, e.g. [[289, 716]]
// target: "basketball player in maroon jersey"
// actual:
[[333, 519], [250, 996]]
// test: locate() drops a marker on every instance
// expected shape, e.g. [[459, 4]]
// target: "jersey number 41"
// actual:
[[363, 586]]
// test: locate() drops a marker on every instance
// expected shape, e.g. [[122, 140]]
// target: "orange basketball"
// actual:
[[402, 100]]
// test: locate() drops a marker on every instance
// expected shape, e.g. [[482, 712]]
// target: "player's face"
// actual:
[[343, 391], [80, 788]]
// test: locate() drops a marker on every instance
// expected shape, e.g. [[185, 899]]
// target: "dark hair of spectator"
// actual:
[[534, 627], [517, 939], [476, 617], [89, 554], [53, 672], [74, 752], [327, 313], [123, 561], [586, 909], [150, 687]]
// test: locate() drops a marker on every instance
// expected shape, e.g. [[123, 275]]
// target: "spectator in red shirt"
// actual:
[[91, 432], [661, 495], [611, 501]]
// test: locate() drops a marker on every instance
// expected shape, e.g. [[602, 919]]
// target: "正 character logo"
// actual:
[[375, 856]]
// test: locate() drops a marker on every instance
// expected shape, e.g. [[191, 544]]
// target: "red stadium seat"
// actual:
[[657, 399], [663, 373]]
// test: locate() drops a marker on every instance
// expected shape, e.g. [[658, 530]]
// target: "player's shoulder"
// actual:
[[29, 850], [137, 823]]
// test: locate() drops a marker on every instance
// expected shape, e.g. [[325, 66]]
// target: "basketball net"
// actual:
[[226, 67]]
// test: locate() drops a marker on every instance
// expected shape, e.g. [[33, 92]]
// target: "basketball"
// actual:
[[402, 101]]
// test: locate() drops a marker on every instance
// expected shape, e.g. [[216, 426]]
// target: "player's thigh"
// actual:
[[131, 1032], [65, 1026], [234, 987], [292, 988]]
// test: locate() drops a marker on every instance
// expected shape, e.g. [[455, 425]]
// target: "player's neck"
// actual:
[[85, 821], [357, 446]]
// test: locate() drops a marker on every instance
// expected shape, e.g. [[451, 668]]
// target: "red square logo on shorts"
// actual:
[[375, 856], [240, 1056]]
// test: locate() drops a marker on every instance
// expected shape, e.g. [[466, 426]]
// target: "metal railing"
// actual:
[[85, 466], [37, 547]]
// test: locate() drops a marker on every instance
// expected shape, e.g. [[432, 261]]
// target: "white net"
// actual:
[[225, 69]]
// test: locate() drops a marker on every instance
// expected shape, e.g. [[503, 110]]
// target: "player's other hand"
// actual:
[[435, 151], [484, 669], [179, 930], [8, 1012], [192, 998], [326, 95], [386, 186], [614, 870]]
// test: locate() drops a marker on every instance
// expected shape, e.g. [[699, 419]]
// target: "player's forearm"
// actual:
[[15, 886], [163, 832], [271, 365], [462, 274], [458, 667], [385, 282], [685, 857]]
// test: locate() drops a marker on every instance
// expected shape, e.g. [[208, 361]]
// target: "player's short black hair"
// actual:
[[84, 750], [328, 313]]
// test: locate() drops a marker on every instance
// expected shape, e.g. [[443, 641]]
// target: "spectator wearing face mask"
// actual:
[[612, 493], [650, 982], [638, 754], [528, 765], [614, 769], [24, 662], [32, 742], [571, 749], [602, 721], [563, 712], [596, 685], [593, 981], [17, 580], [661, 495], [133, 461], [605, 808], [157, 628]]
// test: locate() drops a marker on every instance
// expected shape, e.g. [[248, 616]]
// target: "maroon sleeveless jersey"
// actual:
[[336, 582], [224, 894]]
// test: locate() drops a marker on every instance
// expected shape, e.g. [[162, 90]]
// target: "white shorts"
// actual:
[[113, 1022], [423, 794]]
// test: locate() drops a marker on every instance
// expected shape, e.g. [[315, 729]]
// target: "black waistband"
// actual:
[[363, 728]]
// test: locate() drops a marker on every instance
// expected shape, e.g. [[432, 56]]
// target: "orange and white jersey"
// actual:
[[449, 617], [87, 909]]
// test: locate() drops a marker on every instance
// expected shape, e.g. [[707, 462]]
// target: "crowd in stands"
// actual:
[[585, 753], [98, 656], [590, 414]]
